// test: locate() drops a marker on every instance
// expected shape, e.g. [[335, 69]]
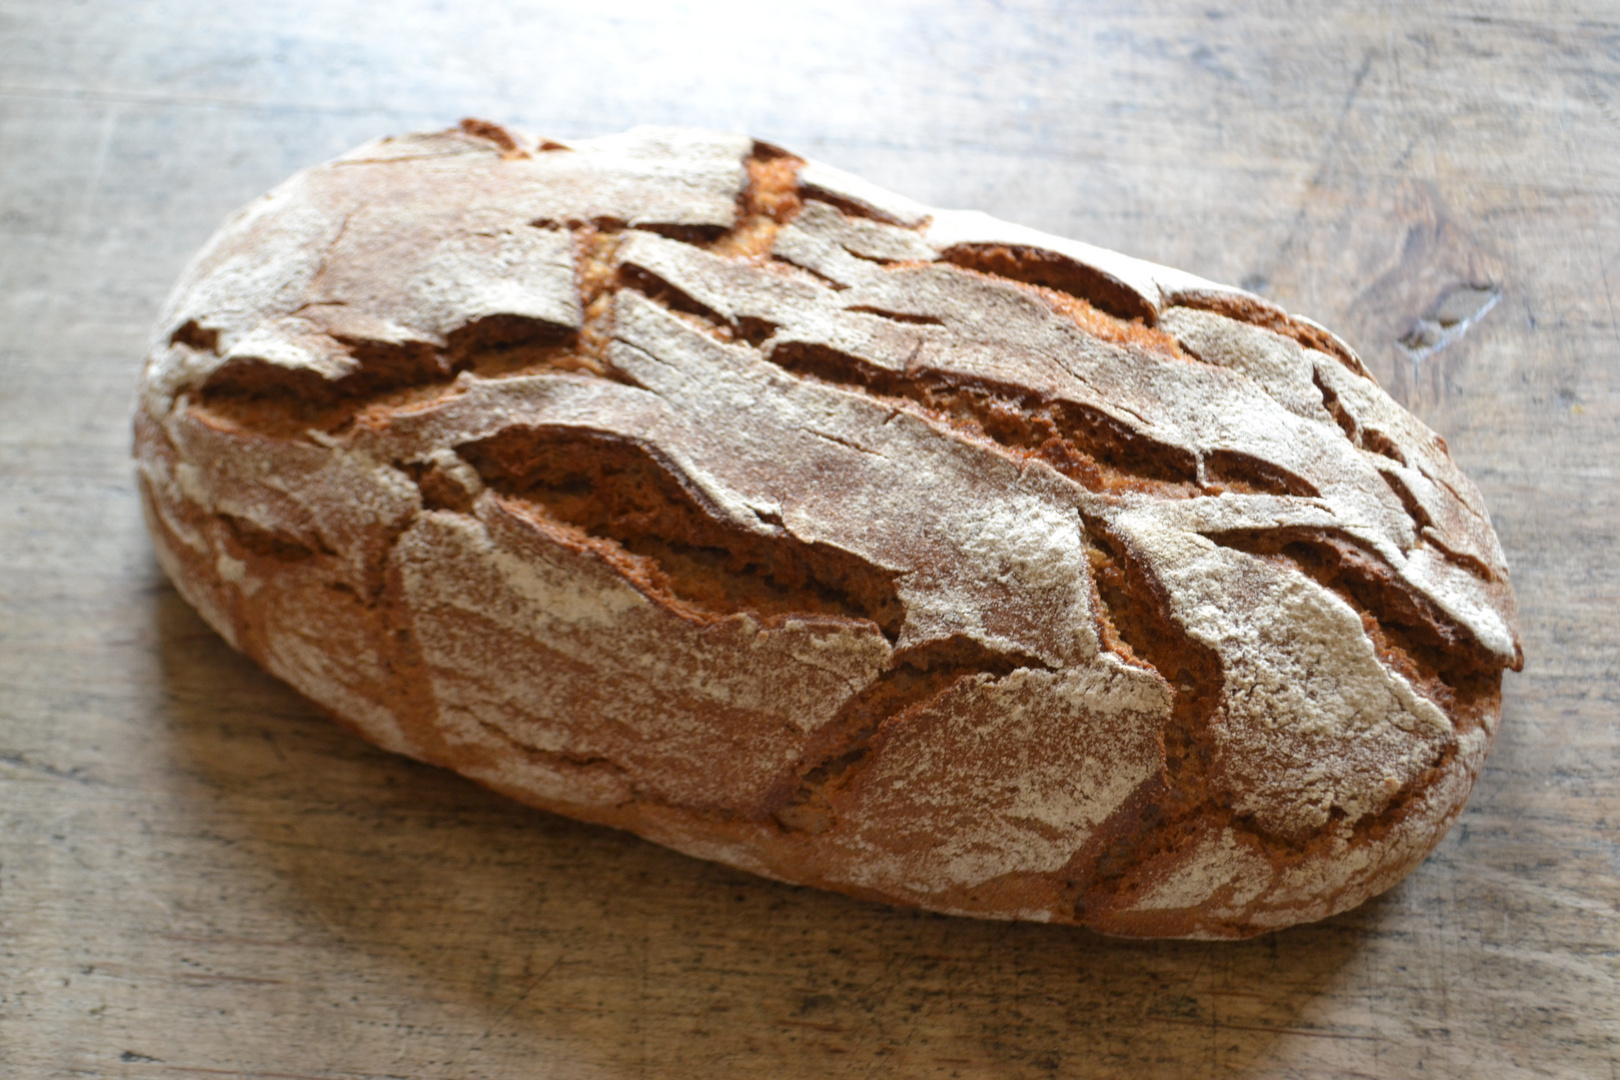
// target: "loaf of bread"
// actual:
[[674, 482]]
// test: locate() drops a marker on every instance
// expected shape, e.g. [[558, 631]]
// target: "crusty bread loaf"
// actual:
[[669, 481]]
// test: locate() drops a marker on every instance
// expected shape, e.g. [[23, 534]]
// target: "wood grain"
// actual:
[[199, 875]]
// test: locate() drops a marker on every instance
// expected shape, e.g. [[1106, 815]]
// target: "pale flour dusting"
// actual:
[[1220, 869], [1309, 718], [1004, 776]]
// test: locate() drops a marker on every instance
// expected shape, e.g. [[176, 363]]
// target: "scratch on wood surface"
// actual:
[[191, 939], [196, 101], [1546, 891], [1222, 1025], [121, 971], [75, 774], [527, 990], [834, 1029], [98, 169], [1330, 147], [203, 1069]]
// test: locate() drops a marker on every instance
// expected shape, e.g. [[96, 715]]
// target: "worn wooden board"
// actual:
[[201, 876]]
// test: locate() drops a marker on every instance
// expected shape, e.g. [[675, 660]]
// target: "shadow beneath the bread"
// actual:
[[478, 936]]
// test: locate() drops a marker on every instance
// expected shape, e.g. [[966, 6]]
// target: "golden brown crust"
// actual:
[[676, 483]]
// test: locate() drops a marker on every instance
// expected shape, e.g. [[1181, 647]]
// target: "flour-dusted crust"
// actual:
[[669, 481]]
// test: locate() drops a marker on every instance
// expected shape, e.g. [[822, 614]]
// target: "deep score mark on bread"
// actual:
[[670, 481]]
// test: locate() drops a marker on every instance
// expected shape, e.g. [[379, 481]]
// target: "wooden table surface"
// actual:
[[199, 875]]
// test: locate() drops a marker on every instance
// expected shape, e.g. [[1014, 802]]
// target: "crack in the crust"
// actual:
[[897, 316], [839, 440], [1232, 470], [841, 750], [1462, 500], [438, 486], [1371, 828], [1375, 441], [1084, 444], [1428, 532], [270, 397], [1379, 443], [1094, 319], [739, 330], [1038, 266], [1365, 438], [495, 133], [1412, 635], [1171, 812], [1366, 831], [595, 264], [639, 513], [267, 544], [1268, 316], [552, 758], [830, 284], [274, 400], [1167, 812], [1468, 562], [1409, 502], [851, 207], [1081, 442], [672, 298], [195, 336], [770, 200]]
